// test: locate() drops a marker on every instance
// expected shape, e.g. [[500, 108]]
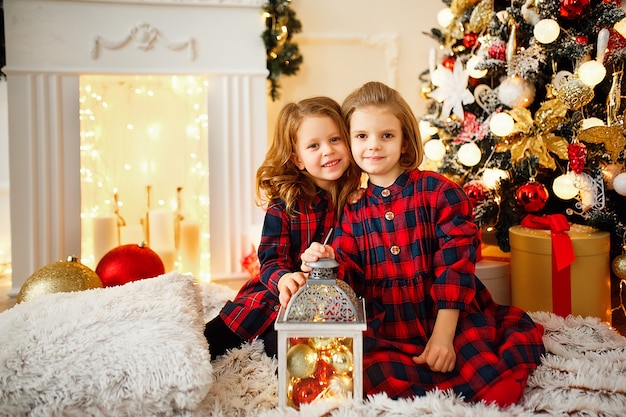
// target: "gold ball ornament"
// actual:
[[60, 276], [342, 361], [619, 266], [301, 361], [322, 343]]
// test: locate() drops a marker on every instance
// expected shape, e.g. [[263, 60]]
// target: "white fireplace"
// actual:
[[51, 44]]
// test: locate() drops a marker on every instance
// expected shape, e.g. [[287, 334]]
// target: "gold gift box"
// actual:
[[590, 274]]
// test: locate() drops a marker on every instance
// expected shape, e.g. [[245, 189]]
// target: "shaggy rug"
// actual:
[[582, 374], [138, 350]]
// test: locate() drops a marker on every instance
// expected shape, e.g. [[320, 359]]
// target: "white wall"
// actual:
[[345, 43], [5, 223]]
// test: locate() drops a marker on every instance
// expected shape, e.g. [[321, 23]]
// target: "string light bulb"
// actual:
[[469, 154], [563, 186], [434, 150], [501, 124], [546, 31]]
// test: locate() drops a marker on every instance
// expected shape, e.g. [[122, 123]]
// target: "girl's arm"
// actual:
[[439, 352]]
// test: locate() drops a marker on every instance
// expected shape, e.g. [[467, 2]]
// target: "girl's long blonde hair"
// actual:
[[279, 178], [375, 93]]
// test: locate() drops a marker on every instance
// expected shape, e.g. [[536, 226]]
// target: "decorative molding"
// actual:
[[144, 36], [205, 3], [388, 41]]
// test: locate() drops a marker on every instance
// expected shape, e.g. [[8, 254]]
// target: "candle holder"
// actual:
[[320, 340]]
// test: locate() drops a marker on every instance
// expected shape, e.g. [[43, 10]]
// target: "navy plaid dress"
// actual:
[[283, 239], [409, 250]]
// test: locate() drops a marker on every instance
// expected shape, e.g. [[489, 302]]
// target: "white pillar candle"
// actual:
[[104, 236], [190, 246], [161, 224]]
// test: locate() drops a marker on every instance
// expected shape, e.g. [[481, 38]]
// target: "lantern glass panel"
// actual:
[[319, 368]]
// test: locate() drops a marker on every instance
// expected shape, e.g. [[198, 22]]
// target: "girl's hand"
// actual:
[[439, 355], [315, 252], [439, 352], [356, 195], [288, 285]]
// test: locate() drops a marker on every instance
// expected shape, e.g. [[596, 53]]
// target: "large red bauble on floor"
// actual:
[[128, 263]]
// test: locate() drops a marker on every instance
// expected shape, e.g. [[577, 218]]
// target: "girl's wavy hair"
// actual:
[[375, 93], [279, 178]]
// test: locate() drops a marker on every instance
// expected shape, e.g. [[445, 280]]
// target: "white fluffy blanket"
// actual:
[[583, 374]]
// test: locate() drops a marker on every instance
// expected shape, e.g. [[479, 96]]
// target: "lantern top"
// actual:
[[323, 298]]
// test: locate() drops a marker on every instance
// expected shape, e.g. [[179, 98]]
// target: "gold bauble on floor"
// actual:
[[60, 276]]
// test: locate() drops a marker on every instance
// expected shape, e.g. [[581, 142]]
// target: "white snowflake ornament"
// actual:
[[452, 90]]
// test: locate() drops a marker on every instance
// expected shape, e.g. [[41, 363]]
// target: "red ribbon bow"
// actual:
[[562, 258]]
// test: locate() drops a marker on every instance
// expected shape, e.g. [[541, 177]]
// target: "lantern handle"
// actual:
[[330, 232]]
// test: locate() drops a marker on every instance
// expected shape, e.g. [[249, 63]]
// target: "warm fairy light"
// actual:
[[591, 73], [156, 134]]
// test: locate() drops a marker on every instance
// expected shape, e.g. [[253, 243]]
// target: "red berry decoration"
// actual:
[[128, 263], [497, 50], [577, 155], [532, 196]]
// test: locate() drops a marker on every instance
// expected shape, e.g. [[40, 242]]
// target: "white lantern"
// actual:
[[469, 154], [320, 340]]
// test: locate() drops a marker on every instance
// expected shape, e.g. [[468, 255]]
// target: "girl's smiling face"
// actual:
[[377, 143], [321, 151]]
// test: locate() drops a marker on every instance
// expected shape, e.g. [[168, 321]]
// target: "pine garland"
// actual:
[[282, 54]]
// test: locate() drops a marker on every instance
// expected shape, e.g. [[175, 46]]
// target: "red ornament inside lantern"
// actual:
[[129, 263], [532, 196], [305, 391]]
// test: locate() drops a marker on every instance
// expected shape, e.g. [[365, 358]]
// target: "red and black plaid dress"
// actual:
[[283, 239], [409, 250]]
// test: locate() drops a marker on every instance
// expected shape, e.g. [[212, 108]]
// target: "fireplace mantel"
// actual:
[[50, 43]]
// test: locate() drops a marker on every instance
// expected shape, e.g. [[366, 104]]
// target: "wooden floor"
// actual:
[[619, 316]]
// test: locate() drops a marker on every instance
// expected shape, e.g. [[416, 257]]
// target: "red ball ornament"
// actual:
[[476, 192], [573, 9], [497, 50], [128, 263], [324, 371], [532, 196], [305, 391]]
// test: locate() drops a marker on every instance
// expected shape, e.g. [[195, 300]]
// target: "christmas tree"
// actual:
[[525, 111]]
